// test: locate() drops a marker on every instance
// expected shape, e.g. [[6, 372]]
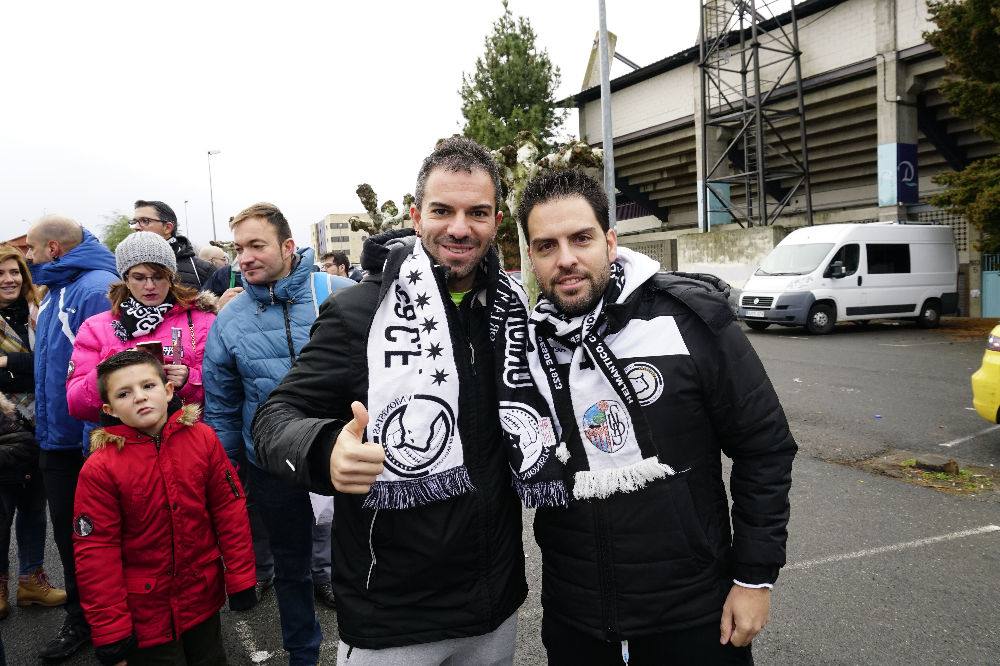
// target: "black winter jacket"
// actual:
[[450, 569], [18, 448], [191, 271], [664, 558]]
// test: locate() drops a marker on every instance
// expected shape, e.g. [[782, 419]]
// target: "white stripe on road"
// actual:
[[808, 564], [962, 440], [250, 645], [913, 344]]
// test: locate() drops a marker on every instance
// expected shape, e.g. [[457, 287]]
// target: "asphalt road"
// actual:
[[879, 571], [860, 391]]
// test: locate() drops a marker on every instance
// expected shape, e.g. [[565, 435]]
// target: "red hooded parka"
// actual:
[[155, 519]]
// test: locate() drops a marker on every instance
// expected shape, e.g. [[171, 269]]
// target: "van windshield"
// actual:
[[794, 259]]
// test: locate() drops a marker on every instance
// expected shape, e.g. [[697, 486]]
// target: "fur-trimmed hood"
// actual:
[[206, 302], [118, 435]]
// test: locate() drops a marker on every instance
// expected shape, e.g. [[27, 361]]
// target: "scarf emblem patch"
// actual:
[[409, 453], [647, 381], [606, 425]]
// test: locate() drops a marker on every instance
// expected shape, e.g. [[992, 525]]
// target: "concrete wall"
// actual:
[[732, 255], [651, 102], [911, 22]]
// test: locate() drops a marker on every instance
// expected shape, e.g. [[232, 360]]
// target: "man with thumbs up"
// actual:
[[392, 408]]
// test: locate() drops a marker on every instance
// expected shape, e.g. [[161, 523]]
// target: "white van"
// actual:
[[820, 275]]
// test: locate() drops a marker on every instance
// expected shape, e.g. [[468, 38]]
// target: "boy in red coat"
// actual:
[[161, 531]]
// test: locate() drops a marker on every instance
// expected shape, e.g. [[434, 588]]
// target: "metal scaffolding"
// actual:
[[751, 100]]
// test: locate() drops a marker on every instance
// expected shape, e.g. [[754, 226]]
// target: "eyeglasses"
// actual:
[[143, 222], [140, 279]]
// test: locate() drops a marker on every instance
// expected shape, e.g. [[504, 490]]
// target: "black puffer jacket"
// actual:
[[664, 558], [191, 271], [450, 569], [18, 448]]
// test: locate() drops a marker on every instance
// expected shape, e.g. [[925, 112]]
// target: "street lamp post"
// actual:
[[211, 195], [187, 225]]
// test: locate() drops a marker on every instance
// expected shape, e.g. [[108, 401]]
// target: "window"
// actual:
[[888, 258], [339, 239], [338, 225], [848, 256], [794, 259]]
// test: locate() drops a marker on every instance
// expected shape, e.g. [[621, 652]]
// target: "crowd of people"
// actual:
[[366, 439]]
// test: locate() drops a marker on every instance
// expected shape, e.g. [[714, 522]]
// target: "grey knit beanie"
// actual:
[[144, 247]]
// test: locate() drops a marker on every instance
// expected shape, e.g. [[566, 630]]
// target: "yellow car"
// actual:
[[986, 380]]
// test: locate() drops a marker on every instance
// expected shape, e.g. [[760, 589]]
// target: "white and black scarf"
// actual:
[[136, 320], [413, 388], [607, 447]]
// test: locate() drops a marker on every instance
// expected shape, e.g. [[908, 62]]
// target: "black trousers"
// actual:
[[200, 645], [566, 646], [60, 470]]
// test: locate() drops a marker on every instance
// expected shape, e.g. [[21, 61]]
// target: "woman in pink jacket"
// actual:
[[149, 310]]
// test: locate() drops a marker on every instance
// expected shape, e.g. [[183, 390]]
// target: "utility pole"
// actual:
[[608, 139], [211, 195]]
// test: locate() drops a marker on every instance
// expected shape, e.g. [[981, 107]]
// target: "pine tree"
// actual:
[[511, 92], [968, 35], [512, 89]]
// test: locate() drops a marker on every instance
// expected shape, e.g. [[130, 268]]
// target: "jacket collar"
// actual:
[[386, 252], [120, 435], [90, 255], [181, 246], [293, 288]]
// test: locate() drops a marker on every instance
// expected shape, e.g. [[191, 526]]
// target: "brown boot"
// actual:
[[4, 605], [36, 589]]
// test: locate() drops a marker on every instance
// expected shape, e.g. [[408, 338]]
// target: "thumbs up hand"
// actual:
[[354, 464]]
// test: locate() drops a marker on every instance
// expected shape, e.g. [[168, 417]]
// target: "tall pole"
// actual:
[[211, 195], [608, 139], [187, 225]]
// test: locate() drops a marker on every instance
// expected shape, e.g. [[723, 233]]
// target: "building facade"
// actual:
[[875, 121], [333, 233]]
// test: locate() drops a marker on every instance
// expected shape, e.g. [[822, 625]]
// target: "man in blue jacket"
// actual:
[[77, 269], [251, 347]]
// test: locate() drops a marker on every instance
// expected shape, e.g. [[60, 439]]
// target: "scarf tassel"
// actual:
[[605, 482], [416, 492], [541, 493]]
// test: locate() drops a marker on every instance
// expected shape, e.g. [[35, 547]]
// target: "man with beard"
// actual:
[[648, 378], [429, 566]]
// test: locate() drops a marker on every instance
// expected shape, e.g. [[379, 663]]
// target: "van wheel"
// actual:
[[758, 325], [930, 314], [821, 319]]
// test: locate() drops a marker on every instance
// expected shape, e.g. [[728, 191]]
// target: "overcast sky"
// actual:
[[107, 102]]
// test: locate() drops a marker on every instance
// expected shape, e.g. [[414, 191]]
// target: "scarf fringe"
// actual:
[[416, 492], [541, 493], [562, 453], [604, 483]]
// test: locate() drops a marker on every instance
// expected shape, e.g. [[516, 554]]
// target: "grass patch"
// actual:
[[902, 465]]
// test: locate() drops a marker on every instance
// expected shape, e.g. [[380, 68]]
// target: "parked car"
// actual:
[[820, 275], [986, 380]]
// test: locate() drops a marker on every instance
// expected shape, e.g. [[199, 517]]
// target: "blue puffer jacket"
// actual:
[[78, 285], [252, 345]]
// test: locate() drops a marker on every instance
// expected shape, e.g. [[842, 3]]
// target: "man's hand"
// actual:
[[228, 295], [177, 374], [744, 614], [354, 465]]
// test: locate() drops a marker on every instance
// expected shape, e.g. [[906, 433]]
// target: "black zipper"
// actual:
[[288, 331], [232, 484]]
